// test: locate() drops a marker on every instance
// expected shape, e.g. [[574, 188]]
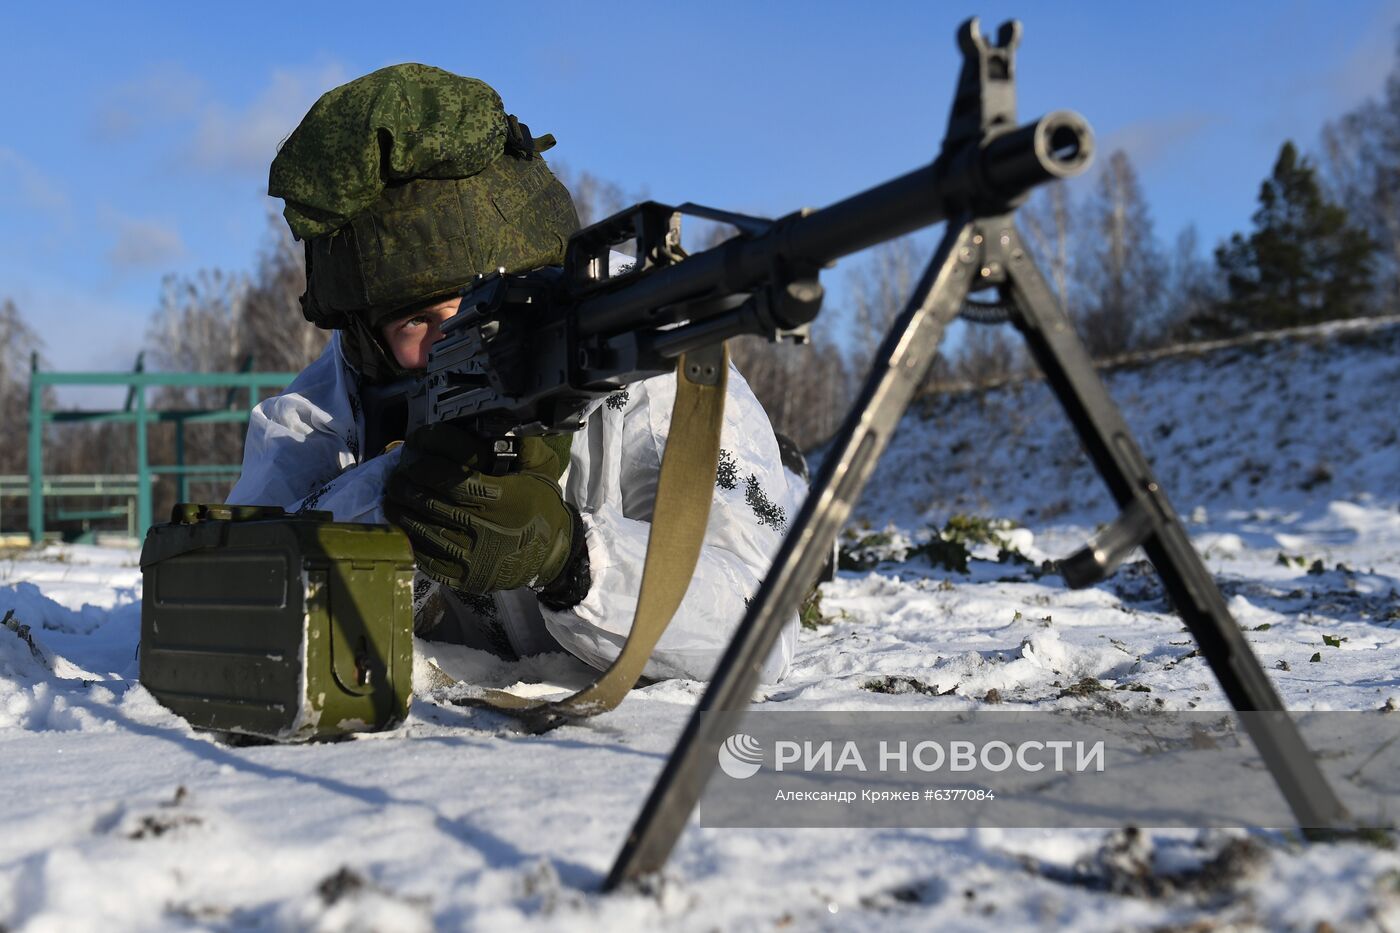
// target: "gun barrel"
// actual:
[[978, 180]]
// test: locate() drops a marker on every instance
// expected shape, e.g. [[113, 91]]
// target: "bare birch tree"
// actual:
[[879, 286], [1194, 287], [594, 197], [1047, 221], [1121, 269], [18, 343], [988, 354], [271, 328]]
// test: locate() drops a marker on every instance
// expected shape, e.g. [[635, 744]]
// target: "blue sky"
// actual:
[[136, 140]]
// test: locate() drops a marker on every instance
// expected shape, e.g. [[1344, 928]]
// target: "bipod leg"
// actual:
[[1147, 519], [899, 368]]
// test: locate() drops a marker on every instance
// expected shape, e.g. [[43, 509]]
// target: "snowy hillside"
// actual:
[[1284, 457], [1279, 425]]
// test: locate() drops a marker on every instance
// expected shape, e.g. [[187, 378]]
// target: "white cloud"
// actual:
[[145, 244], [1362, 74], [160, 95], [1149, 141], [22, 184], [83, 329], [245, 140], [218, 137], [1336, 80]]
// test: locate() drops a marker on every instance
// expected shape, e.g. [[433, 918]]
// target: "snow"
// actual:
[[1283, 458]]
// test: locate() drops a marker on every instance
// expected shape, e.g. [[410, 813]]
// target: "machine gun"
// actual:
[[530, 353]]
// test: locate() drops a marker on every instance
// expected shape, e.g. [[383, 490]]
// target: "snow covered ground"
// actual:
[[1283, 457]]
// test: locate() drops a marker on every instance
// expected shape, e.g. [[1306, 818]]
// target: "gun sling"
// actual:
[[682, 510]]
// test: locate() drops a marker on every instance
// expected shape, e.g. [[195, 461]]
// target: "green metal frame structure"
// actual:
[[139, 413], [80, 487]]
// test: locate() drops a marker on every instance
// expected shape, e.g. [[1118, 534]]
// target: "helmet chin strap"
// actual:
[[365, 350]]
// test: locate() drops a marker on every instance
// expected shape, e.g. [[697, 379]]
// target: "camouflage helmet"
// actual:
[[405, 184]]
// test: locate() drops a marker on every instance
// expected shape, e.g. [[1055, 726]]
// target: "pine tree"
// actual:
[[1304, 262]]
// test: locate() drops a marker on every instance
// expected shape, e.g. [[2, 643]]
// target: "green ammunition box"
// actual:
[[289, 627]]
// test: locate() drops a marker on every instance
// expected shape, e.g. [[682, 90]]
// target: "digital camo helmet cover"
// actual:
[[405, 184]]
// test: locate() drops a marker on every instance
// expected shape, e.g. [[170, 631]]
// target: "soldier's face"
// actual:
[[409, 337]]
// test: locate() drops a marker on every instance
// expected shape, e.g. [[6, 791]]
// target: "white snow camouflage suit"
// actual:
[[304, 450]]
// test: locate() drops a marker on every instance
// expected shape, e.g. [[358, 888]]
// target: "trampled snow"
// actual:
[[1283, 458]]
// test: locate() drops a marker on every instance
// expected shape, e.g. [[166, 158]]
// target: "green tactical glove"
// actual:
[[481, 533]]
